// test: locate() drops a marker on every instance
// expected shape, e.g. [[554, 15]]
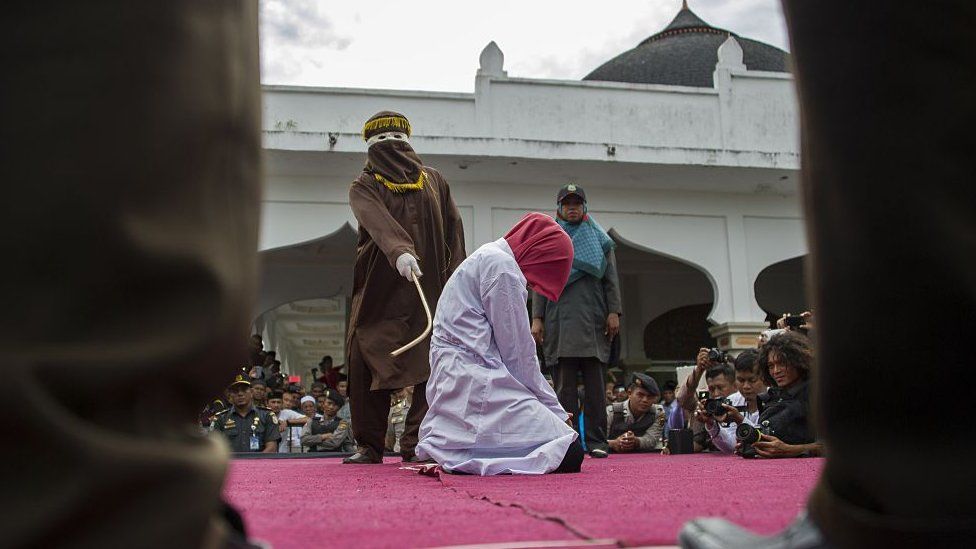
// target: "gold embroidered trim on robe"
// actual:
[[403, 187]]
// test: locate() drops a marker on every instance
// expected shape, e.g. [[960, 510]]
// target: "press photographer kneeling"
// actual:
[[742, 407], [720, 379], [785, 428]]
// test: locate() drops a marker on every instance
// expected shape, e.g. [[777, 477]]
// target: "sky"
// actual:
[[433, 45]]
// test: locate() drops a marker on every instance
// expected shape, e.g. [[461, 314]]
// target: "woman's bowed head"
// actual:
[[544, 253]]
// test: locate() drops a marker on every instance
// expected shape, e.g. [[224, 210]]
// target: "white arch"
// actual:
[[695, 240]]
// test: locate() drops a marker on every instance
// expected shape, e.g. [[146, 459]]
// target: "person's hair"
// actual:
[[746, 362], [723, 369], [276, 395], [793, 349], [258, 382], [669, 385], [318, 384]]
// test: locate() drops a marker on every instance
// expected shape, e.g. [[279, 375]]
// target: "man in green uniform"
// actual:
[[247, 427], [329, 433]]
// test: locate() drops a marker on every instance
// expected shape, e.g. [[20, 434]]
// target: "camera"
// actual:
[[749, 435], [794, 321], [716, 406], [716, 355]]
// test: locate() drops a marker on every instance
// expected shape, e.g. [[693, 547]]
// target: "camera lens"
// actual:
[[747, 434]]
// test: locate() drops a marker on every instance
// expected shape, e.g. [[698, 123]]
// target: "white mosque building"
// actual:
[[687, 147]]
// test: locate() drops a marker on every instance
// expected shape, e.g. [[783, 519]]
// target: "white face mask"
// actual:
[[387, 136]]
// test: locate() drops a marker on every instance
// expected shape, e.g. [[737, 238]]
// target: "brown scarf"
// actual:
[[394, 161]]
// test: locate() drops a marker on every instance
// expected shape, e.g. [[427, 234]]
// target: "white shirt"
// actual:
[[723, 436], [491, 411], [292, 433]]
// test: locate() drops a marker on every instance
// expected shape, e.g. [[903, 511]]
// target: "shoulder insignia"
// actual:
[[343, 424], [230, 423], [222, 412], [274, 418]]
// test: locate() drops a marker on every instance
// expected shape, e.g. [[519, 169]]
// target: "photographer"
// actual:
[[785, 423], [749, 380], [720, 380], [707, 359]]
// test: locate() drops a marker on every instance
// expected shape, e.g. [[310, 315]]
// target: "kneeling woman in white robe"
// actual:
[[491, 411]]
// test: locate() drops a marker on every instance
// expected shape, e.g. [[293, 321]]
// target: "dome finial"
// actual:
[[684, 4]]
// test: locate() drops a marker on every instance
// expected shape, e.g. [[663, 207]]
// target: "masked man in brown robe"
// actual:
[[408, 226]]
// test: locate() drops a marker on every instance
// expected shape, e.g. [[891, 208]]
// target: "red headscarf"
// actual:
[[544, 253]]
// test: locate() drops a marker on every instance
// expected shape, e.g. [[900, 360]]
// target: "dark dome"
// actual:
[[685, 54]]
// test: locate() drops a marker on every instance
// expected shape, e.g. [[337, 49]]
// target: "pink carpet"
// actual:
[[623, 501]]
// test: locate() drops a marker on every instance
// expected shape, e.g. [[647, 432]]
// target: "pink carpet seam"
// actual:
[[525, 510]]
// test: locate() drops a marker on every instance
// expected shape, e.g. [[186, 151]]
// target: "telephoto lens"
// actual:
[[747, 434]]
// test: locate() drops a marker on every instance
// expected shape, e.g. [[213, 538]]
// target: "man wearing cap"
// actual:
[[576, 333], [328, 432], [408, 227], [636, 424], [247, 427]]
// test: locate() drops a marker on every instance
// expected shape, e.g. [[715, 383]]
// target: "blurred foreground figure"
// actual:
[[131, 163], [491, 411], [886, 92]]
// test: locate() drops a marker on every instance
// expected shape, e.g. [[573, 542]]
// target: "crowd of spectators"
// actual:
[[765, 389], [316, 420]]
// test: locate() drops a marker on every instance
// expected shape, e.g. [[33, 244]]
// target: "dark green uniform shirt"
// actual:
[[259, 422]]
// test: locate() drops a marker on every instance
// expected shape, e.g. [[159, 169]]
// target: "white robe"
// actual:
[[491, 411]]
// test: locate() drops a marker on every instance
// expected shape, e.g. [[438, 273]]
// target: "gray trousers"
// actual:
[[130, 161], [887, 96]]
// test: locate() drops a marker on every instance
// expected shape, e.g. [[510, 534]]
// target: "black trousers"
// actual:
[[370, 410], [594, 396], [887, 102]]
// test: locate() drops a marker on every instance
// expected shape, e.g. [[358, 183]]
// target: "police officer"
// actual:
[[248, 428], [330, 433], [636, 424]]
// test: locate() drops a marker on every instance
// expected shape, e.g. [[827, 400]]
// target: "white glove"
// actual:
[[407, 265]]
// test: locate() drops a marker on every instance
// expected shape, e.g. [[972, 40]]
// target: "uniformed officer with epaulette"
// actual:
[[248, 428], [330, 433], [636, 424]]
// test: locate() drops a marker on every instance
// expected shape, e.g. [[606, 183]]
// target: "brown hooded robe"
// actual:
[[386, 310]]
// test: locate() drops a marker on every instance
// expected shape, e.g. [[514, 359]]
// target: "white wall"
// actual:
[[750, 121]]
